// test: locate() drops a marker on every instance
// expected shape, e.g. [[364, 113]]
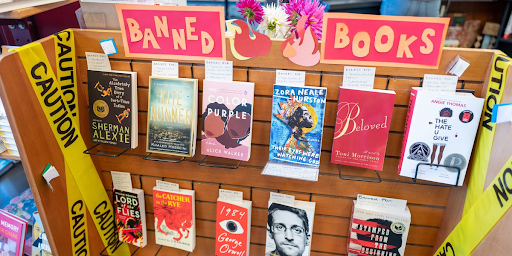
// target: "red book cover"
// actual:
[[362, 125], [233, 228]]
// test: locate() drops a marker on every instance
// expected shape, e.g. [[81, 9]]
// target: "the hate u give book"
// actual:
[[175, 220], [362, 125], [227, 119]]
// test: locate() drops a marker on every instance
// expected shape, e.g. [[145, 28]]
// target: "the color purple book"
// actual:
[[227, 119]]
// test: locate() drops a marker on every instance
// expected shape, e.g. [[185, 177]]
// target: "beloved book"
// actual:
[[440, 130], [40, 244], [172, 116], [175, 218], [379, 226], [285, 220], [12, 234], [233, 228], [362, 125], [227, 119], [297, 124], [113, 108], [131, 216]]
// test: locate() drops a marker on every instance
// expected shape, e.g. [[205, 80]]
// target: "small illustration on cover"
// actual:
[[297, 124]]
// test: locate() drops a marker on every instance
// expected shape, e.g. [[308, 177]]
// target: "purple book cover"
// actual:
[[227, 119]]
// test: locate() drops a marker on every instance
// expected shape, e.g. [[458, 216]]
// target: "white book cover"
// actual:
[[289, 228], [175, 218], [379, 226], [440, 130]]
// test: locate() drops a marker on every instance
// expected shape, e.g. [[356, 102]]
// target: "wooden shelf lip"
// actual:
[[6, 155], [29, 11]]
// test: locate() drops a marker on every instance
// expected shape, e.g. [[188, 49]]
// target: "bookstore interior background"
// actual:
[[253, 127]]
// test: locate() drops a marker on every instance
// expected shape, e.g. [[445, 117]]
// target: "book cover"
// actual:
[[12, 234], [378, 230], [175, 218], [172, 116], [233, 228], [113, 108], [289, 228], [40, 244], [362, 125], [227, 119], [297, 124], [131, 216], [440, 129]]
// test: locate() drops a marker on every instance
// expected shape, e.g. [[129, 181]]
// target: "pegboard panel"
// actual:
[[332, 195]]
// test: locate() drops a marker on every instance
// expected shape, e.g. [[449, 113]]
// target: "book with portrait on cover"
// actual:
[[297, 124], [362, 125], [227, 119], [172, 116]]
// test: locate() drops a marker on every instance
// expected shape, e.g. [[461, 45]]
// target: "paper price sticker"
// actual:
[[290, 77], [282, 198], [389, 204], [97, 61], [169, 186], [219, 70], [440, 83], [165, 69], [358, 77], [122, 181], [230, 195]]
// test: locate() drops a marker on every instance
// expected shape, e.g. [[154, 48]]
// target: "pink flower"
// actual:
[[250, 10], [298, 8]]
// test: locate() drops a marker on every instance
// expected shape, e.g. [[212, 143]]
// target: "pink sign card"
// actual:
[[173, 32]]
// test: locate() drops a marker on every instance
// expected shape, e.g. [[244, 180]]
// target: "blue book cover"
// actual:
[[297, 124]]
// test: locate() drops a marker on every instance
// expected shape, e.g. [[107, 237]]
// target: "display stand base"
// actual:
[[88, 151], [291, 171], [355, 178], [437, 165], [202, 163], [167, 160]]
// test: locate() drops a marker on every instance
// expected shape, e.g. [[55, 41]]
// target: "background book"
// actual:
[[233, 228], [172, 116], [40, 244], [130, 210], [113, 108], [378, 226], [175, 219], [227, 119], [362, 125], [297, 124], [440, 129], [285, 221], [12, 234]]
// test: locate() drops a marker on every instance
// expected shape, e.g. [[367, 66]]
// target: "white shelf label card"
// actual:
[[97, 61], [169, 186], [282, 198], [291, 171], [50, 173], [231, 195], [122, 181], [388, 204], [290, 77], [440, 83], [358, 77], [219, 70], [165, 69]]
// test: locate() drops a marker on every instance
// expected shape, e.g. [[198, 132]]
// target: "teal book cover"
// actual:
[[172, 116]]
